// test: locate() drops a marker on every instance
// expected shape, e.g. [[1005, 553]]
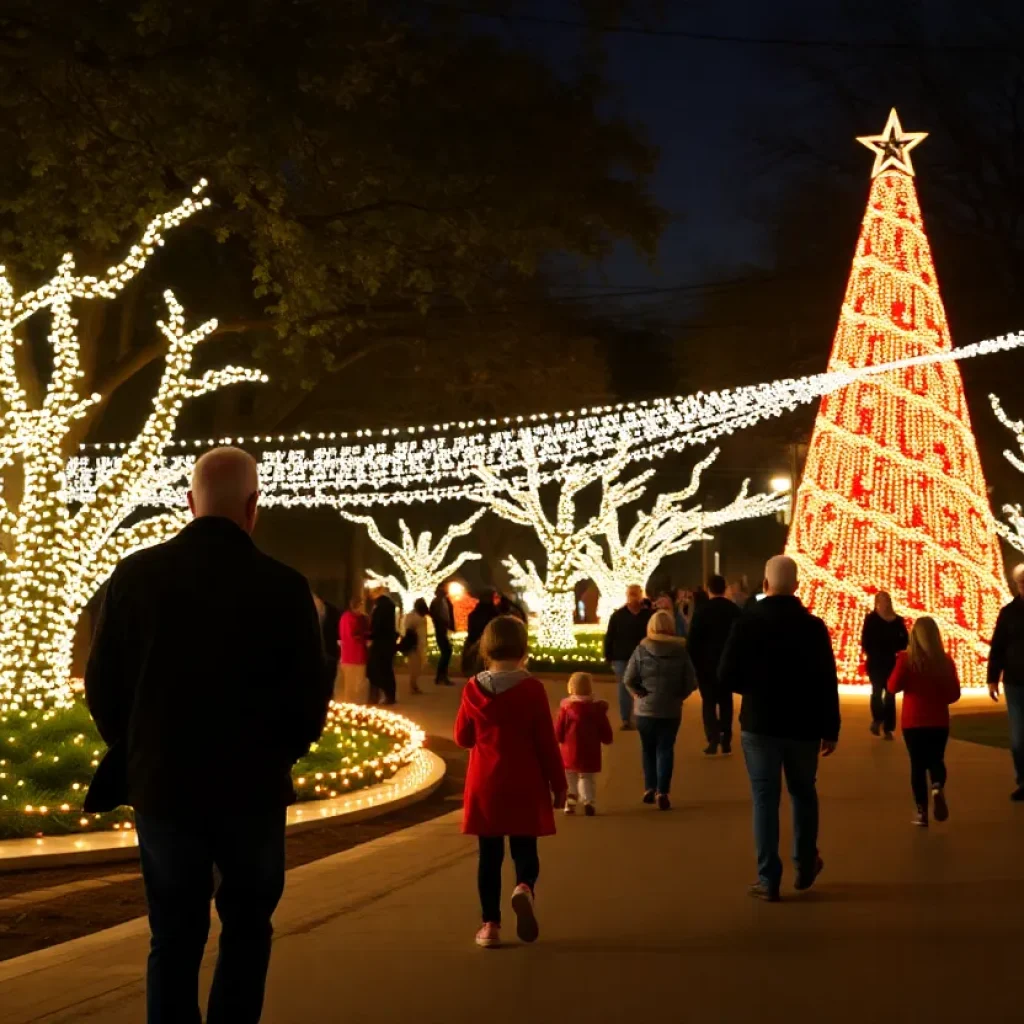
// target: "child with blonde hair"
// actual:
[[581, 729]]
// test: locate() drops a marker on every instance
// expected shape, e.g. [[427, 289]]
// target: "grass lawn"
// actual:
[[586, 656], [986, 727]]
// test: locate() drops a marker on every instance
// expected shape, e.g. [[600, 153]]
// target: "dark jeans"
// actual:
[[381, 675], [717, 706], [1015, 712], [625, 697], [658, 747], [927, 749], [767, 758], [178, 858], [883, 705], [488, 877], [444, 647]]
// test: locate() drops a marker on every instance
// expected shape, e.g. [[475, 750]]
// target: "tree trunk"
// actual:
[[557, 614]]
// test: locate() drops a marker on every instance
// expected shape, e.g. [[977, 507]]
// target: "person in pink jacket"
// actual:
[[581, 729], [353, 631]]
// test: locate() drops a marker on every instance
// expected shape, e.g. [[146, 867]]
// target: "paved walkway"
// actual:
[[644, 915]]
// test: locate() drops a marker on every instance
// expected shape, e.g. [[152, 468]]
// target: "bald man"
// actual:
[[1006, 664], [206, 682], [779, 657]]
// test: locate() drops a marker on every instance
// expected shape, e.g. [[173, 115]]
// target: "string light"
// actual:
[[893, 496], [666, 530], [53, 560], [422, 566], [1013, 530]]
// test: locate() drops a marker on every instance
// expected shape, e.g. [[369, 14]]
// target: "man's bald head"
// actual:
[[225, 483], [780, 575], [1018, 578]]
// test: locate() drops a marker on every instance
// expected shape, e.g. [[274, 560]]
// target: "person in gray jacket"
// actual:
[[660, 676]]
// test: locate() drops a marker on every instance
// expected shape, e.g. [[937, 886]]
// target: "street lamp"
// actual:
[[781, 483]]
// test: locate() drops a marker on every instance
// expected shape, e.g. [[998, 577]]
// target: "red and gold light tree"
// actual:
[[893, 496]]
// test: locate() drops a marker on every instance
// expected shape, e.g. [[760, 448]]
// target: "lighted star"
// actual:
[[892, 148]]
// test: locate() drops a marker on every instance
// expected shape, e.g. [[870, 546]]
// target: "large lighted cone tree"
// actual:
[[893, 496], [54, 557]]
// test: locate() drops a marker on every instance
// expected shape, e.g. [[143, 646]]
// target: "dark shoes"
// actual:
[[921, 820], [626, 727], [1017, 796], [664, 804], [805, 879], [764, 892], [876, 728], [711, 749], [649, 796], [726, 746]]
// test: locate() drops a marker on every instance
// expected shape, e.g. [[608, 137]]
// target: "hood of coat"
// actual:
[[489, 696], [579, 707], [665, 646]]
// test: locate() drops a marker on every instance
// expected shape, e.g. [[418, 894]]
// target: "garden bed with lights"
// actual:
[[47, 759], [586, 656]]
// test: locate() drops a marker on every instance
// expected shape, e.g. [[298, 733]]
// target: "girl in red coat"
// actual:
[[927, 678], [515, 775], [581, 729]]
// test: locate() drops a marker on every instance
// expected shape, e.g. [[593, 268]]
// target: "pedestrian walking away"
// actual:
[[660, 676], [927, 678], [381, 648], [627, 626], [515, 780], [479, 617], [581, 729], [207, 657], [884, 635], [1006, 665], [414, 643], [709, 631], [779, 658], [354, 634], [442, 614]]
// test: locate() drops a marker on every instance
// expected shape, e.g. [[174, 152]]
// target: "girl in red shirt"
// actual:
[[515, 779], [926, 676]]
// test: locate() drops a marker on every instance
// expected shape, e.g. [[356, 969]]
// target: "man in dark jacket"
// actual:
[[1006, 661], [485, 610], [709, 630], [442, 613], [627, 626], [206, 682], [380, 656], [779, 657]]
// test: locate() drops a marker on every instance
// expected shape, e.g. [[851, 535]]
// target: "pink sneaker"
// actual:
[[526, 921], [489, 936]]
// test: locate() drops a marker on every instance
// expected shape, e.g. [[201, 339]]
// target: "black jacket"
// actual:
[[383, 635], [780, 658], [477, 621], [709, 630], [625, 631], [442, 611], [881, 641], [205, 677], [1006, 657]]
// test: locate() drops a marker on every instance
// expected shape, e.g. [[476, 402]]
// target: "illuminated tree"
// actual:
[[54, 558], [1014, 532], [563, 541], [422, 566], [668, 529], [893, 495]]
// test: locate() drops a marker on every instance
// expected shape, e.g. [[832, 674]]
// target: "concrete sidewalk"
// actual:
[[644, 915]]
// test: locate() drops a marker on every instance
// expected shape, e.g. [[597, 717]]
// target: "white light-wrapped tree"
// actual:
[[519, 501], [668, 529], [53, 557], [1012, 530], [422, 566]]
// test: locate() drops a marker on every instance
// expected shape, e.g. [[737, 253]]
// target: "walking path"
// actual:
[[644, 915]]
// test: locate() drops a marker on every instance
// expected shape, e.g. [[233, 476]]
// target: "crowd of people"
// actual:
[[153, 696]]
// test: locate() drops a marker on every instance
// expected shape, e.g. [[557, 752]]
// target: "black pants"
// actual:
[[178, 858], [380, 673], [883, 704], [927, 749], [492, 853], [717, 705], [444, 647]]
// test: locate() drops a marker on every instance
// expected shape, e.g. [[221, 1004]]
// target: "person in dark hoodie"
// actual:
[[660, 675], [515, 779], [779, 657], [1006, 664], [884, 635], [383, 645], [476, 623]]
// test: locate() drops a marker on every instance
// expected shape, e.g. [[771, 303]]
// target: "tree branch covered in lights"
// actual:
[[53, 559], [668, 529], [1013, 529], [519, 501], [422, 566]]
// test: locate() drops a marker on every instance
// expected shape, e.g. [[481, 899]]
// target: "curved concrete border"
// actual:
[[415, 782]]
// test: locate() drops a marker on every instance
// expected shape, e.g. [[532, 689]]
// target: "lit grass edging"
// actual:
[[586, 656], [47, 760]]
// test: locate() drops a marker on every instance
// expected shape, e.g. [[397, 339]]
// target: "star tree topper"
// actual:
[[892, 148]]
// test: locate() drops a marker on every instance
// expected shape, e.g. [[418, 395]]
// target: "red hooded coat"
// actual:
[[514, 762], [581, 729]]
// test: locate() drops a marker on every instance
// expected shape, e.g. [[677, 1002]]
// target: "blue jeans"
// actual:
[[658, 748], [625, 697], [1015, 712], [767, 758], [178, 858]]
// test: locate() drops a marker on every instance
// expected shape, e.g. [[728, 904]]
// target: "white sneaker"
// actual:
[[570, 806], [526, 921]]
